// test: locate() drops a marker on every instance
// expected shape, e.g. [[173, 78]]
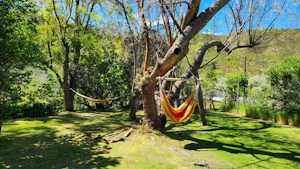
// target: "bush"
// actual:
[[37, 110], [266, 113], [227, 107], [10, 111], [285, 80]]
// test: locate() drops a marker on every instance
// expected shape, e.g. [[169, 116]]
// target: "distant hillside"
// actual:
[[280, 43]]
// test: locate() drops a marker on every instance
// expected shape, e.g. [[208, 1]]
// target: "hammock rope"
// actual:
[[186, 109], [91, 99]]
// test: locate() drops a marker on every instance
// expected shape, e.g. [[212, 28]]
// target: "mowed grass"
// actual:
[[63, 141]]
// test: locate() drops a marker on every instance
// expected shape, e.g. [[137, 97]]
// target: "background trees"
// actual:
[[284, 81], [18, 50], [64, 25]]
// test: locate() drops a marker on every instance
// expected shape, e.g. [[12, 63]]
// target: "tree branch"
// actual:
[[51, 66], [125, 13], [191, 13], [174, 20], [146, 32], [57, 17], [166, 23]]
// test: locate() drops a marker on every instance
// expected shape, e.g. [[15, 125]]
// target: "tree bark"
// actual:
[[150, 118], [68, 95], [200, 104], [133, 107]]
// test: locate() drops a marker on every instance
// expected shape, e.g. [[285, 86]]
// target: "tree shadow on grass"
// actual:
[[43, 147], [46, 150], [238, 136]]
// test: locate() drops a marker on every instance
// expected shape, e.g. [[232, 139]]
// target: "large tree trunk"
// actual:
[[68, 95], [133, 107], [150, 116], [69, 98], [134, 98]]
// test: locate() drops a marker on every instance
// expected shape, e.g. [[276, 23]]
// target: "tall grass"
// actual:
[[267, 113], [226, 107]]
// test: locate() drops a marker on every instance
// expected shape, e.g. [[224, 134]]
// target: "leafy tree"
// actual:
[[65, 23], [285, 80], [236, 83], [18, 49], [105, 71], [259, 90], [209, 81]]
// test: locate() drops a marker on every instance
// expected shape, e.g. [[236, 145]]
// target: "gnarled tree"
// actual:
[[191, 25]]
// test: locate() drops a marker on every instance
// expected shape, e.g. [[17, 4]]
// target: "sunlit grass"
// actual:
[[228, 142]]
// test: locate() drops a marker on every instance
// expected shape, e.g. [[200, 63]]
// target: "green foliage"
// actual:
[[9, 111], [267, 113], [264, 113], [18, 46], [37, 110], [285, 80], [102, 73], [259, 90], [226, 107], [236, 83], [28, 110]]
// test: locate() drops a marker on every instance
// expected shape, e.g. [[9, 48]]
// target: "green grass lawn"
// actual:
[[228, 142]]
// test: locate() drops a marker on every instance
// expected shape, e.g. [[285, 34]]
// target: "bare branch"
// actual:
[[145, 31], [174, 20], [166, 23], [125, 13]]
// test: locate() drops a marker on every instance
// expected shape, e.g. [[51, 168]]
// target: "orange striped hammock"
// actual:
[[91, 99], [185, 110]]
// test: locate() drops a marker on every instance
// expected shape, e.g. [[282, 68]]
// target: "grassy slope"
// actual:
[[229, 142]]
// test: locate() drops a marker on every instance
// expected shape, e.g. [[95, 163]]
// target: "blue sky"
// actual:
[[288, 18]]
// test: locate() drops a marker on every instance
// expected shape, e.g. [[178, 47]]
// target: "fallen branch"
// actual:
[[153, 139], [203, 165], [113, 133], [127, 134]]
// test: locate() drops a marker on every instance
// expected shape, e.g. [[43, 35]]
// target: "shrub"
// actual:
[[285, 81], [266, 113], [37, 110], [227, 107], [10, 111]]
